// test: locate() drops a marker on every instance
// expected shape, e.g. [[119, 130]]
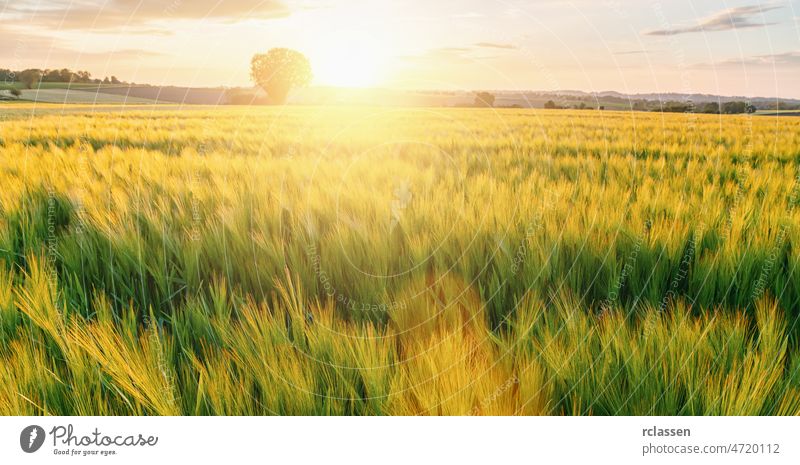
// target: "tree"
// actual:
[[30, 77], [65, 75], [676, 107], [51, 75], [279, 71], [711, 107], [484, 100], [732, 108]]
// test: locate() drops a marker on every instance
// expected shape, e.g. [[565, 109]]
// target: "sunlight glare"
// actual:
[[351, 60]]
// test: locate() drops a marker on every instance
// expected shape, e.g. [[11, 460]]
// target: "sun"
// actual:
[[349, 60]]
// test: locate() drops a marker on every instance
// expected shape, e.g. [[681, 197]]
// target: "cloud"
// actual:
[[112, 14], [453, 55], [468, 15], [461, 54], [22, 50], [782, 60], [133, 54], [495, 45], [447, 50], [730, 19], [779, 59], [437, 54], [632, 52]]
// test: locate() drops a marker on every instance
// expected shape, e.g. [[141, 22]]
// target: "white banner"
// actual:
[[404, 440]]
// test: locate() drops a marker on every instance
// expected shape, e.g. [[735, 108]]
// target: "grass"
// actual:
[[316, 261]]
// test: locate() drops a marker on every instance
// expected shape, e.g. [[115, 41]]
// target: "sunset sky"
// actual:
[[720, 47]]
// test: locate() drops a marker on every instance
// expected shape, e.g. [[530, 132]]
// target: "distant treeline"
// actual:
[[724, 106], [551, 105], [30, 78], [727, 108]]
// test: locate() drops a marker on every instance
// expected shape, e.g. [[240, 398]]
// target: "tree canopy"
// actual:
[[484, 99], [279, 71]]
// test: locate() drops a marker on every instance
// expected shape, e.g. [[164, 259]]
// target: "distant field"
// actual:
[[113, 93], [60, 95], [779, 113], [22, 109], [186, 95], [384, 261]]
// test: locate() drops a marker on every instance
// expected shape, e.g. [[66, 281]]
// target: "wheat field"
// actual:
[[389, 261]]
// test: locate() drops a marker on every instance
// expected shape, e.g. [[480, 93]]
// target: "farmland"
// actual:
[[385, 261]]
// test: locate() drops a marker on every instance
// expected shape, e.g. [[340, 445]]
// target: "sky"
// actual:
[[631, 46]]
